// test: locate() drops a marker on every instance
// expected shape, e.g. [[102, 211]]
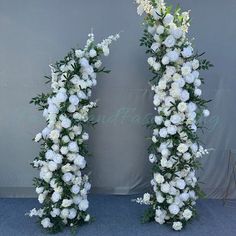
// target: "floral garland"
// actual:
[[62, 186], [175, 148]]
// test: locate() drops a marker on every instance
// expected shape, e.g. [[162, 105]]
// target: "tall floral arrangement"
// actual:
[[175, 149], [62, 186]]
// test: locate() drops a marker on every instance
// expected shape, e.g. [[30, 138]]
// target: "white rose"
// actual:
[[64, 213], [172, 129], [73, 147], [195, 64], [75, 189], [197, 82], [206, 112], [41, 198], [66, 202], [54, 135], [182, 106], [152, 158], [189, 78], [175, 119], [55, 212], [38, 137], [74, 100], [46, 223], [173, 55], [165, 60], [186, 156], [177, 32], [58, 158], [198, 92], [79, 53], [39, 190], [83, 205], [49, 155], [146, 198], [155, 46], [158, 120], [180, 183], [174, 209], [56, 196], [64, 150], [80, 161], [160, 29], [184, 95], [156, 66], [169, 41], [177, 225], [187, 214], [165, 188], [67, 177], [186, 70], [52, 166], [66, 123], [182, 148], [168, 19], [151, 61], [163, 132], [87, 218], [159, 178], [187, 52], [92, 53], [160, 198], [85, 136]]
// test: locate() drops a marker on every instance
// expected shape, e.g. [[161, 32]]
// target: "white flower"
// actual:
[[173, 55], [38, 137], [169, 41], [160, 29], [152, 158], [66, 123], [87, 218], [174, 209], [39, 190], [146, 198], [41, 197], [175, 119], [165, 60], [98, 64], [46, 223], [64, 150], [55, 212], [182, 106], [64, 213], [158, 120], [187, 52], [186, 70], [73, 147], [163, 132], [159, 178], [83, 205], [177, 32], [52, 166], [195, 64], [187, 214], [206, 112], [79, 53], [80, 161], [180, 183], [92, 53], [54, 135], [198, 92], [66, 202], [75, 189], [184, 95], [67, 177], [56, 196], [177, 225], [182, 148], [74, 100], [85, 136], [165, 188], [168, 19], [57, 158], [151, 61], [155, 46]]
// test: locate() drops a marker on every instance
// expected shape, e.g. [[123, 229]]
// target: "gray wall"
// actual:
[[37, 33]]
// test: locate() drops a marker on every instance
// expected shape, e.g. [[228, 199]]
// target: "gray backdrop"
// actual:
[[37, 33]]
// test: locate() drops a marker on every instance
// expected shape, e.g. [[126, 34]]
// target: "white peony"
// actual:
[[66, 202], [165, 188], [160, 29], [92, 53], [56, 196], [73, 147], [180, 183], [182, 106], [187, 52]]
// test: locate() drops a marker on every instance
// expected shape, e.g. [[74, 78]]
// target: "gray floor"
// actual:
[[117, 215]]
